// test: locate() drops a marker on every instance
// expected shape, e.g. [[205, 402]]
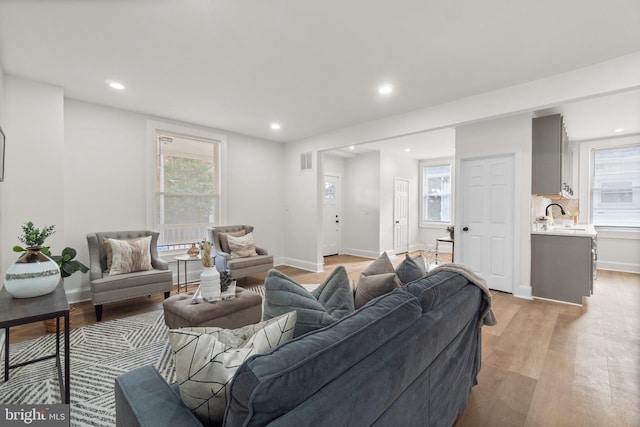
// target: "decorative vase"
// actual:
[[193, 251], [210, 284], [32, 275]]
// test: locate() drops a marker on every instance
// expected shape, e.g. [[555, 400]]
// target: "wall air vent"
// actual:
[[306, 161]]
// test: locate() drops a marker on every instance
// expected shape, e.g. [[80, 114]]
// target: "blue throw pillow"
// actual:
[[329, 302], [411, 268]]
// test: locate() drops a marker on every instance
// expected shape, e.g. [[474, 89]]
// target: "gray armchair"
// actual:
[[106, 288], [239, 267]]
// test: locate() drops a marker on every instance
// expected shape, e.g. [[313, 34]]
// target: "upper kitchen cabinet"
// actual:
[[551, 157]]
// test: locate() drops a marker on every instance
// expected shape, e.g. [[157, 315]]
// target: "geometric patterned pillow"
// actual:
[[206, 360]]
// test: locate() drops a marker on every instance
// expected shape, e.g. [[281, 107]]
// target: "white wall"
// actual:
[[33, 188], [598, 79], [3, 250], [393, 166], [510, 135], [360, 233], [89, 166]]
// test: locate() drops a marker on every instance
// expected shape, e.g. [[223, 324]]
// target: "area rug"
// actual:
[[99, 353]]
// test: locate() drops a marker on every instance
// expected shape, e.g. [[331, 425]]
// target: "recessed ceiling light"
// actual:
[[618, 130], [115, 85], [385, 89], [406, 150], [275, 126], [352, 147]]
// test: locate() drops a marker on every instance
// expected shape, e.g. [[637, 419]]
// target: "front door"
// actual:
[[487, 227], [331, 241]]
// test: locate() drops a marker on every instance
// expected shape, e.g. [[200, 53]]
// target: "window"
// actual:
[[187, 188], [615, 187], [436, 203]]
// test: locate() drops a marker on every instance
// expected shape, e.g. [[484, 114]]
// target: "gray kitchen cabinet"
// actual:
[[562, 267], [551, 158]]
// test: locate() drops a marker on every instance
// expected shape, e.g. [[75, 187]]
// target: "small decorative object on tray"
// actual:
[[227, 286]]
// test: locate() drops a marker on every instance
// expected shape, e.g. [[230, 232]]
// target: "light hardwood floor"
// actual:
[[544, 363]]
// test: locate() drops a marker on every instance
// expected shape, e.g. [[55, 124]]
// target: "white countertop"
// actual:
[[578, 230]]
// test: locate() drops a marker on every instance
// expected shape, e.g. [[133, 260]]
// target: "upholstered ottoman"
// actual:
[[244, 309]]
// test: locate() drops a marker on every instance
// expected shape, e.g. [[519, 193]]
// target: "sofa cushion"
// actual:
[[224, 239], [270, 385], [411, 268], [206, 360], [379, 266], [371, 287], [129, 256], [436, 287], [375, 280], [242, 246], [329, 302]]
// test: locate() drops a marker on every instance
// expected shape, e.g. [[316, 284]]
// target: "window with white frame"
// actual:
[[187, 188], [436, 201], [615, 187]]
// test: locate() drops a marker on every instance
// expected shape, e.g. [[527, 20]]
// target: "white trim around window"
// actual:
[[431, 163], [153, 127]]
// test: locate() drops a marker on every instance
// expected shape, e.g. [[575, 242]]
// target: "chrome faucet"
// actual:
[[546, 210]]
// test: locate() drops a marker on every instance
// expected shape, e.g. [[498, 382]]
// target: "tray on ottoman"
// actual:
[[244, 309]]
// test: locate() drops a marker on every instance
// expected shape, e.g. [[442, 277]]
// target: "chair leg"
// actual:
[[166, 294], [99, 312]]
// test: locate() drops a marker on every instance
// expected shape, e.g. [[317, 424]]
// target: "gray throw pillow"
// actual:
[[379, 266], [411, 268], [329, 302], [371, 287], [375, 280]]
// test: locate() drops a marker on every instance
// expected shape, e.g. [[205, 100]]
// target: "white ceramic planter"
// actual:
[[32, 275], [210, 284]]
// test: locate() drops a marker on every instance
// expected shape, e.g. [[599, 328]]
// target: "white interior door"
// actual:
[[331, 241], [487, 227], [401, 216]]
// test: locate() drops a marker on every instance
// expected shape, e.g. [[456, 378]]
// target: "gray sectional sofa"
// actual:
[[407, 358]]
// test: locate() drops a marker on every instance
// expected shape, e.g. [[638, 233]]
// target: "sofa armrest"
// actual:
[[144, 399], [95, 269]]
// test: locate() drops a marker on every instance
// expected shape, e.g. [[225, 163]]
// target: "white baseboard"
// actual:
[[619, 266], [361, 253], [78, 295], [523, 291], [303, 265]]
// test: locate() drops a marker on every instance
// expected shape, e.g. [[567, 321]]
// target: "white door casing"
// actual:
[[487, 228], [331, 214], [401, 216]]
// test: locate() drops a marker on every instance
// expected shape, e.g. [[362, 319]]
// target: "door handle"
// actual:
[[465, 229]]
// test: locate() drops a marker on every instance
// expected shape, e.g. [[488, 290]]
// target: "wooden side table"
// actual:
[[19, 311], [445, 240]]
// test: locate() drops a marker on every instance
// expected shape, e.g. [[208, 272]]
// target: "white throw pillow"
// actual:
[[242, 246], [130, 255], [206, 360]]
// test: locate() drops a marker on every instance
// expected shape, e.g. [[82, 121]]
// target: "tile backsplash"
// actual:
[[539, 203]]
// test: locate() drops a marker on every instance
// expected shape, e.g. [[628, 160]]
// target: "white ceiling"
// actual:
[[313, 66]]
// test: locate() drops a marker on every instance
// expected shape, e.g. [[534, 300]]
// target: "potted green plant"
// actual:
[[34, 273], [450, 230]]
